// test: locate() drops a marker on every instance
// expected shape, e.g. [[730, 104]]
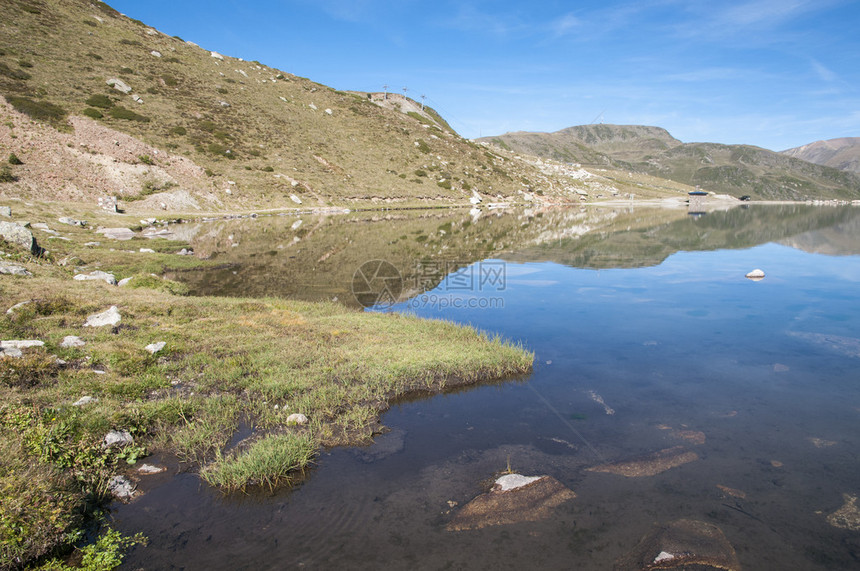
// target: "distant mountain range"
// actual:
[[842, 154], [737, 170]]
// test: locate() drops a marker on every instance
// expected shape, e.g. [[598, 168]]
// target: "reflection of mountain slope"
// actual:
[[733, 229], [317, 257], [838, 240]]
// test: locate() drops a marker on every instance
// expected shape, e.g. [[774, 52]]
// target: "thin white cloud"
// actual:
[[823, 72], [564, 24]]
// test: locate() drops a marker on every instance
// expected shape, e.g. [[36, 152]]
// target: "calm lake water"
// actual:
[[643, 326]]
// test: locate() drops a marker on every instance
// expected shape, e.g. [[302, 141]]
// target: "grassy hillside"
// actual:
[[260, 133], [732, 169]]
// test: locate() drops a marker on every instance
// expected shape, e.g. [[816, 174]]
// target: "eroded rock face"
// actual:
[[513, 499], [649, 464], [682, 544]]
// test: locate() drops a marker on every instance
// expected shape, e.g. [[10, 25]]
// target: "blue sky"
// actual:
[[772, 73]]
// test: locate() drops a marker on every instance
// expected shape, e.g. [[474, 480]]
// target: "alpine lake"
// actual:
[[693, 412]]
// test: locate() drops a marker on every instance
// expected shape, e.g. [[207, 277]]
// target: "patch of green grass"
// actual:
[[14, 160], [268, 462], [145, 159], [178, 130], [93, 113], [423, 146]]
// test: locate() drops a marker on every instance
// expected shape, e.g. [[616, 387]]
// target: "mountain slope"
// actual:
[[842, 154], [260, 133], [733, 169]]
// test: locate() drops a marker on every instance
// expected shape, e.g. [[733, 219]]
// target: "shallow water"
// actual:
[[648, 312]]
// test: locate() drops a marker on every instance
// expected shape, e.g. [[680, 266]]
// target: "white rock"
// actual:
[[6, 211], [13, 270], [148, 469], [296, 225], [295, 199], [21, 344], [155, 347], [297, 418], [17, 306], [155, 53], [117, 233], [71, 221], [84, 401], [123, 281], [312, 106], [97, 275], [663, 556], [121, 487], [328, 112], [118, 438], [216, 55], [147, 251], [119, 85], [72, 341], [108, 317], [513, 481], [755, 274]]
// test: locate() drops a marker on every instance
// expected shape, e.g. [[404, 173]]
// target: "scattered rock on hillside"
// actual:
[[216, 55], [71, 221], [295, 199], [17, 234], [13, 270], [124, 281], [70, 341], [108, 317], [6, 211], [108, 203], [683, 544], [119, 85], [97, 275], [155, 347], [117, 233], [85, 401], [514, 498], [17, 306]]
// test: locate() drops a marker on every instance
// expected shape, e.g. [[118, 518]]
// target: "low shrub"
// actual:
[[25, 63], [6, 175], [101, 101], [120, 112], [7, 71], [39, 110], [14, 160], [268, 169], [145, 159], [178, 130], [93, 113], [130, 42], [170, 81]]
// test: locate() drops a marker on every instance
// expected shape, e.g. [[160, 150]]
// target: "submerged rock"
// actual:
[[513, 499], [108, 317], [849, 346], [649, 464], [682, 544], [848, 516], [121, 487]]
